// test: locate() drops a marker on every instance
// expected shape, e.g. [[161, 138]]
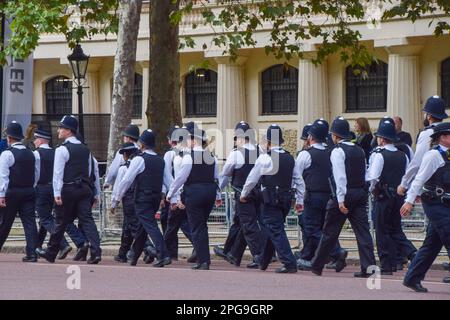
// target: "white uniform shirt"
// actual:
[[137, 166], [264, 166], [234, 161], [184, 172], [432, 160], [114, 167], [119, 178], [376, 165], [61, 157], [7, 161], [340, 177], [302, 163], [423, 145]]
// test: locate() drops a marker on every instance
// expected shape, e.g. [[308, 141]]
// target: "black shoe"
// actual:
[[446, 266], [362, 274], [253, 265], [147, 259], [82, 253], [151, 250], [317, 272], [386, 273], [94, 260], [218, 251], [201, 266], [45, 254], [133, 261], [193, 257], [303, 265], [29, 259], [163, 262], [297, 255], [417, 287], [232, 260], [63, 253], [120, 259], [340, 262], [331, 265], [286, 270], [446, 280], [39, 252], [399, 267]]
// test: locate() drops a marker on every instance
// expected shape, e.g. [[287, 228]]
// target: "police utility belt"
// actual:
[[276, 196], [384, 192], [436, 196], [77, 183]]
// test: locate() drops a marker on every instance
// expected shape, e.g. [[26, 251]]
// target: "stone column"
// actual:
[[312, 93], [145, 83], [403, 97], [230, 101]]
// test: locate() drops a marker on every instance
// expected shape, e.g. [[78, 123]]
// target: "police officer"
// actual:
[[349, 200], [433, 178], [148, 172], [44, 195], [176, 217], [278, 175], [388, 164], [130, 222], [198, 175], [72, 190], [434, 114], [130, 135], [19, 172], [315, 167], [239, 163]]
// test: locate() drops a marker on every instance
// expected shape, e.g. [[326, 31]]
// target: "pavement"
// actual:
[[114, 281]]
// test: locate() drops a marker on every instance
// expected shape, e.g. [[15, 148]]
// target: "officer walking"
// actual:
[[434, 114], [239, 163], [198, 175], [148, 172], [388, 164], [72, 190], [44, 195], [176, 217], [130, 223], [19, 172], [278, 175], [349, 200], [315, 167], [433, 178]]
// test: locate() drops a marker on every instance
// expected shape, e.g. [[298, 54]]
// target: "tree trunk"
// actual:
[[124, 64], [164, 72]]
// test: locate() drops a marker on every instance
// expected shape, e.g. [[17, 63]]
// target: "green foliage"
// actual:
[[32, 18], [291, 23]]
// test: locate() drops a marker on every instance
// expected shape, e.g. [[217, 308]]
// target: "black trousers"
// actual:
[[146, 207], [176, 220], [274, 217], [235, 236], [199, 201], [247, 214], [76, 203], [20, 201], [390, 238], [130, 225], [164, 216], [438, 236], [356, 203], [45, 203]]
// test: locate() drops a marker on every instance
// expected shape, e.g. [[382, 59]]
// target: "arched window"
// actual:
[[445, 81], [280, 90], [58, 95], [370, 93], [137, 96], [201, 93]]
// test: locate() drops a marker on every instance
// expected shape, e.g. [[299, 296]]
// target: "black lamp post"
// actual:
[[79, 62]]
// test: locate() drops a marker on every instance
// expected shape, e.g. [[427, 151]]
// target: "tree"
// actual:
[[164, 71], [125, 60]]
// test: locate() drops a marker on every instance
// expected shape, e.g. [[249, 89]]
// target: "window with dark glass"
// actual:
[[367, 91], [279, 90], [137, 96], [58, 95], [445, 81], [201, 93]]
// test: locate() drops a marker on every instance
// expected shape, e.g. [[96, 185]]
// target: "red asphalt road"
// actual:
[[110, 280]]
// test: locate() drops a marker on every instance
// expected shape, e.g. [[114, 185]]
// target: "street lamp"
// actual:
[[79, 63]]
